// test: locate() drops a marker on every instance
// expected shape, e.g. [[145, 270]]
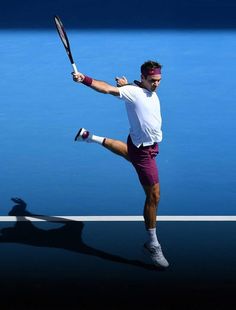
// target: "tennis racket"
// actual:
[[62, 34]]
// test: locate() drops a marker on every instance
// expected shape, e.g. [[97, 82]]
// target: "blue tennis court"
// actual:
[[88, 249], [43, 109]]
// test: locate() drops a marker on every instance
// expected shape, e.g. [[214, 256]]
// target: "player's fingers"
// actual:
[[76, 73], [77, 77]]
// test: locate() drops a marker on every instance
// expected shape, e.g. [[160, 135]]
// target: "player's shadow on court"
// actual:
[[68, 236]]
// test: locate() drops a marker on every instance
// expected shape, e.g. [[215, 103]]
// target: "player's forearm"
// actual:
[[97, 85]]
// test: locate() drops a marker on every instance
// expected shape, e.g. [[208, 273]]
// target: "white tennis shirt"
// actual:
[[144, 114]]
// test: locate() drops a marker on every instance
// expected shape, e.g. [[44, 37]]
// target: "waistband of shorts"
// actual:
[[141, 146], [147, 146]]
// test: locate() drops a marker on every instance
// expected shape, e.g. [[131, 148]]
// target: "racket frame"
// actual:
[[65, 41]]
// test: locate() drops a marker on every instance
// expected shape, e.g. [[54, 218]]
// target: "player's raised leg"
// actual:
[[115, 146]]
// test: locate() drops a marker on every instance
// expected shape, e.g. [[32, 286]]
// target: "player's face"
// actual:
[[151, 82]]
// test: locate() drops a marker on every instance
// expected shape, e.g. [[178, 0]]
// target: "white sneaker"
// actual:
[[156, 255], [83, 135]]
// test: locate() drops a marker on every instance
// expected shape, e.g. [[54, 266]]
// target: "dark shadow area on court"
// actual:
[[48, 272], [109, 14], [68, 236]]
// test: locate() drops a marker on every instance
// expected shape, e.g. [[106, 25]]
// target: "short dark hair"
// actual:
[[150, 65]]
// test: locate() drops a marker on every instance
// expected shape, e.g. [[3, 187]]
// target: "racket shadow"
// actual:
[[68, 236]]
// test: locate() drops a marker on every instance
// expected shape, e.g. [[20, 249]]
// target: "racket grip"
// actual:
[[74, 68]]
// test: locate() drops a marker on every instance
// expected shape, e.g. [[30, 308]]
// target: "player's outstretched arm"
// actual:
[[100, 86]]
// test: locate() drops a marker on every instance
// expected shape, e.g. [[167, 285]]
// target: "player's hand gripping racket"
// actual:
[[65, 41]]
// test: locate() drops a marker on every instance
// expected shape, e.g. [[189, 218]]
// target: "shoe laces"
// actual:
[[156, 250]]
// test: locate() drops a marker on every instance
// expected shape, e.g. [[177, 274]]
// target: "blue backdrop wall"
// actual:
[[123, 14]]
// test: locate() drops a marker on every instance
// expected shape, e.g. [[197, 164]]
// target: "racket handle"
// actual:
[[74, 68]]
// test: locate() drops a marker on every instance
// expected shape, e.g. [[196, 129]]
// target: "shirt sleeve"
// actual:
[[127, 93]]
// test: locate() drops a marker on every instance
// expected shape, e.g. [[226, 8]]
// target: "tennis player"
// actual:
[[143, 109]]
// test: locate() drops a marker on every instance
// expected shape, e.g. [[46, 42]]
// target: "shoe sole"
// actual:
[[78, 134]]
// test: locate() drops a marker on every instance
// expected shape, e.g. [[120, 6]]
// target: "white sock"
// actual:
[[152, 236], [97, 139]]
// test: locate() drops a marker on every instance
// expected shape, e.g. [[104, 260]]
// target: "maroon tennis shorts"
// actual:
[[143, 160]]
